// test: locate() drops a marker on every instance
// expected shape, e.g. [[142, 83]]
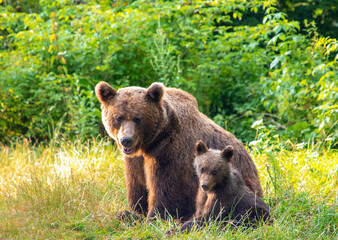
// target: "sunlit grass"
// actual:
[[296, 168], [53, 190], [72, 190]]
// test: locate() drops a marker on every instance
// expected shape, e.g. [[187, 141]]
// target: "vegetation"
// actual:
[[258, 68], [243, 61], [323, 12], [71, 190]]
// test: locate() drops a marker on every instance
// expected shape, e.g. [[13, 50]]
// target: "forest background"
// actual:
[[244, 61]]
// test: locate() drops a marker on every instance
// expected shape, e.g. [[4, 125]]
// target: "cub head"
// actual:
[[212, 166], [132, 115]]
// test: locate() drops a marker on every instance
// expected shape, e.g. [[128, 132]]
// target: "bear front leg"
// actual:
[[156, 210], [164, 203], [212, 208], [203, 212], [171, 188], [136, 184]]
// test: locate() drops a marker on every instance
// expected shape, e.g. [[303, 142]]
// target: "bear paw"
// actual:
[[127, 216]]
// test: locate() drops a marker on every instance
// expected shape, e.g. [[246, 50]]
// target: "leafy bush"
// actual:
[[239, 67], [301, 86], [323, 12]]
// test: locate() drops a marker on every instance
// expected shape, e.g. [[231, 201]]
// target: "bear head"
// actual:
[[132, 116], [211, 165]]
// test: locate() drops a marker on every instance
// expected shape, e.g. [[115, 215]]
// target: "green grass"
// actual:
[[71, 190]]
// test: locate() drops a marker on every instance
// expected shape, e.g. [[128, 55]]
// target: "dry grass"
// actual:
[[70, 190]]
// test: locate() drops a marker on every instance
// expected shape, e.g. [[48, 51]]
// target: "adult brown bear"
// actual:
[[156, 130]]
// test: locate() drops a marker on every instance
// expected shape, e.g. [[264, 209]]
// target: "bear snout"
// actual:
[[204, 186], [127, 142], [128, 145]]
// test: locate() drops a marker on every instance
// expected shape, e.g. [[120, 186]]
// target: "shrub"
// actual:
[[241, 60]]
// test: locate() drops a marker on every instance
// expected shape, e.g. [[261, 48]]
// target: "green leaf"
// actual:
[[274, 62]]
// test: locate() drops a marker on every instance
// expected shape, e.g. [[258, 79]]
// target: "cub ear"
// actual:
[[104, 92], [200, 148], [227, 153], [155, 92]]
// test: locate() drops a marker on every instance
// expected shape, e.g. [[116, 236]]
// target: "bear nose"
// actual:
[[127, 142], [204, 186]]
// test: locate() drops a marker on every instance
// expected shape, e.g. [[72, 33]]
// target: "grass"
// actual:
[[71, 190]]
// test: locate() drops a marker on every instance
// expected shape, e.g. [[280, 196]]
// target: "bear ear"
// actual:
[[104, 92], [155, 92], [227, 153], [200, 148]]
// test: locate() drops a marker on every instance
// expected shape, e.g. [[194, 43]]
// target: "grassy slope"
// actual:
[[73, 190]]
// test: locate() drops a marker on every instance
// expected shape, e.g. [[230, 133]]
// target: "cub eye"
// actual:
[[202, 170], [137, 120], [214, 172]]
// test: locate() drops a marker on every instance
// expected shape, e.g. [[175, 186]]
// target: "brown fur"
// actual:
[[223, 194], [158, 126]]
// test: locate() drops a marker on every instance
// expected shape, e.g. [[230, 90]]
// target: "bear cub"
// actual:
[[222, 194]]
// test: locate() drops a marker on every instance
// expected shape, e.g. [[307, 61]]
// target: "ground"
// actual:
[[71, 190]]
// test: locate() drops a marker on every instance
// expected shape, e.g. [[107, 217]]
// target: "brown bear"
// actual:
[[155, 129], [222, 194]]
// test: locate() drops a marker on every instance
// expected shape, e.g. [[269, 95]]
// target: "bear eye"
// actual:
[[119, 119], [137, 120], [214, 172], [202, 170]]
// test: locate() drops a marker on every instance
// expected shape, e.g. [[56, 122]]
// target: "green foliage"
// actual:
[[322, 12], [239, 69], [301, 86]]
